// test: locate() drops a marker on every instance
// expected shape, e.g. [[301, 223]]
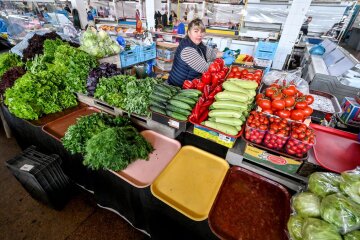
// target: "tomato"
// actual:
[[277, 96], [307, 111], [257, 78], [278, 104], [275, 85], [269, 92], [301, 105], [289, 91], [258, 72], [259, 95], [284, 113], [238, 74], [297, 115], [264, 103], [249, 76], [234, 69], [289, 101], [231, 75], [309, 99], [244, 71], [268, 111]]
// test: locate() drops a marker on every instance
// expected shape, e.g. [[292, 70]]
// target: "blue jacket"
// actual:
[[180, 70]]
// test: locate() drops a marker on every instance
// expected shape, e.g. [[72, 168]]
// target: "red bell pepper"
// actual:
[[206, 78], [195, 82], [214, 68], [226, 69], [200, 86], [220, 62], [206, 91], [215, 79], [204, 115], [188, 84], [222, 74], [208, 102]]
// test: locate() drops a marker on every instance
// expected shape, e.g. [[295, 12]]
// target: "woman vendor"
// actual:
[[192, 57]]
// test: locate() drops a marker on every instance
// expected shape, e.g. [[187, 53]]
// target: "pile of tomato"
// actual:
[[286, 102], [256, 126], [301, 140], [214, 76], [278, 133], [241, 73]]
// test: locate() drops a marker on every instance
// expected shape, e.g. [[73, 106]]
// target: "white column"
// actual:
[[81, 7], [290, 31], [150, 12]]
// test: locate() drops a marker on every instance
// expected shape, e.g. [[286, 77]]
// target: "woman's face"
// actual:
[[196, 35]]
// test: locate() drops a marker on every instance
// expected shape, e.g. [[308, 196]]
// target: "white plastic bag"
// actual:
[[287, 78]]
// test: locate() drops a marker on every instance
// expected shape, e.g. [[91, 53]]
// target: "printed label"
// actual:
[[224, 138], [174, 124], [26, 167]]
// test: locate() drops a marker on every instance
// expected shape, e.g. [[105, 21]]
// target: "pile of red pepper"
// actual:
[[209, 85]]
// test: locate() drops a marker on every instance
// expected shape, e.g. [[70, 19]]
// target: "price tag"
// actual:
[[174, 124], [224, 138], [27, 167]]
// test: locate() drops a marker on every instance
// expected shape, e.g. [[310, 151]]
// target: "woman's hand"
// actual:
[[219, 54]]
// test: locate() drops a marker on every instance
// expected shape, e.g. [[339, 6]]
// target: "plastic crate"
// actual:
[[168, 55], [42, 177], [147, 52], [130, 57], [165, 66], [266, 50]]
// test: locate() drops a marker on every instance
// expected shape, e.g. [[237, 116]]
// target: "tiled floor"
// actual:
[[21, 217]]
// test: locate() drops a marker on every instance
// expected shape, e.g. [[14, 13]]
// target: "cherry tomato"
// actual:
[[258, 72], [301, 105], [289, 101], [264, 104], [278, 104], [297, 115], [234, 69], [238, 74], [244, 71], [257, 78], [309, 99], [231, 75], [249, 76]]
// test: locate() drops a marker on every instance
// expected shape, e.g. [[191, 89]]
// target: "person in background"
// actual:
[[101, 12], [181, 26], [67, 8], [76, 19], [93, 11], [106, 12], [172, 17], [193, 57], [305, 25], [164, 19], [90, 16]]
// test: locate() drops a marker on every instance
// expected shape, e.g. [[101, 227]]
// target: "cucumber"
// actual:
[[178, 110], [189, 101], [225, 113], [163, 95], [180, 104], [221, 127], [247, 84], [157, 104], [172, 88], [230, 86], [188, 93], [163, 89], [176, 115], [234, 96], [157, 109], [231, 105], [238, 128], [157, 98], [228, 120]]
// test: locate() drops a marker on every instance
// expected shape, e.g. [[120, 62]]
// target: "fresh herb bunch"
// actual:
[[9, 60], [104, 70], [115, 148], [9, 77], [86, 127], [127, 93]]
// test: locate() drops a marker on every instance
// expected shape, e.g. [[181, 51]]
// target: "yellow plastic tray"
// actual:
[[191, 182]]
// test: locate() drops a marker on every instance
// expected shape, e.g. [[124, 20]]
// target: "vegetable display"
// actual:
[[98, 43], [86, 127], [127, 93], [115, 148], [7, 61], [103, 70], [173, 102], [336, 212], [286, 102], [301, 140], [246, 74], [350, 184], [9, 77]]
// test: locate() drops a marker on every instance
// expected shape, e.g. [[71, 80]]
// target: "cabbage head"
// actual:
[[324, 183], [294, 226], [341, 211], [306, 204], [354, 235], [316, 229], [351, 184]]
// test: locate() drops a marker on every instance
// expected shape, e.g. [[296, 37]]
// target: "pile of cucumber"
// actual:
[[173, 101], [232, 106]]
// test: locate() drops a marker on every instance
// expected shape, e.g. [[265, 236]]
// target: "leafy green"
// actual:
[[341, 211], [316, 229], [324, 183], [354, 235], [86, 127], [126, 92], [115, 148], [294, 226], [307, 204], [350, 185], [9, 60]]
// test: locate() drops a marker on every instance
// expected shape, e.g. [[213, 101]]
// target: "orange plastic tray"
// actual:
[[58, 128], [142, 173], [191, 182]]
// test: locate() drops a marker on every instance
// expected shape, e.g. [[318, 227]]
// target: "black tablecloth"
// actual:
[[137, 205]]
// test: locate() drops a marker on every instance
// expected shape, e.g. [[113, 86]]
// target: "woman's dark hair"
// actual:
[[197, 22]]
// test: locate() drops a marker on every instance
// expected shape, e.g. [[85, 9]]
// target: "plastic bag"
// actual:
[[306, 204], [294, 226], [354, 235], [316, 229], [317, 50], [341, 212], [287, 78], [324, 183], [350, 184]]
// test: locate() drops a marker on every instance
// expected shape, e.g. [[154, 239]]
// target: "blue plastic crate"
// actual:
[[147, 52], [314, 41], [266, 50], [130, 57]]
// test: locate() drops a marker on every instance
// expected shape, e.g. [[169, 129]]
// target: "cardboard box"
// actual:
[[278, 162], [351, 111]]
